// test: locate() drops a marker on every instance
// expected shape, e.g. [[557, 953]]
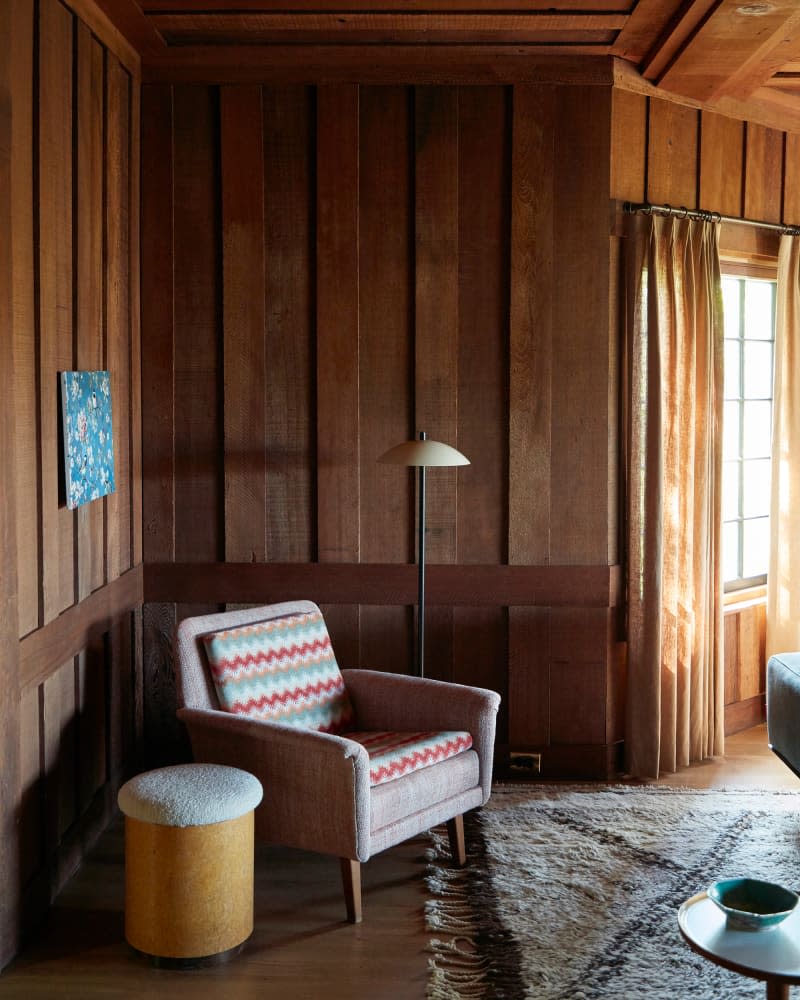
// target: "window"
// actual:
[[749, 305]]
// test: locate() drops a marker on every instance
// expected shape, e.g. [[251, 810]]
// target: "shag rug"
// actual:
[[571, 892]]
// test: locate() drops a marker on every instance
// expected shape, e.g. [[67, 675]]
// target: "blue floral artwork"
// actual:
[[88, 441]]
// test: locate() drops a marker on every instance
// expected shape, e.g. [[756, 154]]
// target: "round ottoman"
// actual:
[[189, 861]]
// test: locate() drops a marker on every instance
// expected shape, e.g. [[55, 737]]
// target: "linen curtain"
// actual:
[[674, 374], [783, 599]]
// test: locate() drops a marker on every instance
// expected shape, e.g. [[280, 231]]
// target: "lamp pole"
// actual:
[[421, 571]]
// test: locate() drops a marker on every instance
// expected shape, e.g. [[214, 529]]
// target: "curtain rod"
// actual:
[[700, 215]]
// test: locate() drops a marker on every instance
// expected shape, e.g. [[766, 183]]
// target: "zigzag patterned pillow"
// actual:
[[282, 670]]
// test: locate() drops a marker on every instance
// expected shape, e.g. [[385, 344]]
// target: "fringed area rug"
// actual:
[[571, 892]]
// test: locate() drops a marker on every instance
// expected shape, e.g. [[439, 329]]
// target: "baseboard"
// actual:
[[565, 761], [741, 715]]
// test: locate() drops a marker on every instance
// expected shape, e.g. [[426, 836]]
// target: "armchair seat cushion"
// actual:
[[282, 670], [393, 755]]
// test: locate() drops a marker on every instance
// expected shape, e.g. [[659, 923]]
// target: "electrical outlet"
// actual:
[[521, 762]]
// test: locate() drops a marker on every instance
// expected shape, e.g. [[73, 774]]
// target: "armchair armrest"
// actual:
[[406, 704], [316, 785]]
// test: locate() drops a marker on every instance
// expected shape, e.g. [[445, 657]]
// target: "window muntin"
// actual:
[[749, 305]]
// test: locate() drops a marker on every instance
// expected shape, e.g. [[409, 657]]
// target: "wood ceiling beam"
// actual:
[[377, 64], [128, 18], [723, 55], [392, 6], [649, 20], [380, 27]]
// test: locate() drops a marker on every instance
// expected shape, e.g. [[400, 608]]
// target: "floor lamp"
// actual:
[[422, 454]]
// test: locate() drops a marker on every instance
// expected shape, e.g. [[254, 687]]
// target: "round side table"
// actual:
[[771, 955]]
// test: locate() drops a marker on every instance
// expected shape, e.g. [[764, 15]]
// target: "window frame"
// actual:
[[764, 269]]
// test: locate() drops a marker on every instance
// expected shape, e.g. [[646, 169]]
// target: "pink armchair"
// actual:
[[326, 791]]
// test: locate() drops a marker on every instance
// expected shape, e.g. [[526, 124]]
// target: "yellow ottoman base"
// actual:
[[188, 890]]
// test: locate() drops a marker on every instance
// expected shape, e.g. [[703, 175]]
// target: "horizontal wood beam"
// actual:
[[383, 584], [45, 650], [381, 64], [380, 27], [554, 7]]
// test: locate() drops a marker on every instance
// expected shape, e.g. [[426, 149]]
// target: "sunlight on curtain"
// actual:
[[674, 350], [783, 578]]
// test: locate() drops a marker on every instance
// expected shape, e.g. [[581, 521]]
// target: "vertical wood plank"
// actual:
[[749, 654], [158, 395], [672, 154], [243, 297], [483, 319], [531, 325], [288, 126], [582, 523], [31, 820], [198, 361], [791, 180], [118, 504], [721, 164], [484, 165], [731, 657], [10, 846], [530, 400], [763, 173], [92, 723], [135, 323], [384, 354], [436, 336], [59, 757], [628, 145], [89, 277], [338, 428], [23, 318], [55, 293]]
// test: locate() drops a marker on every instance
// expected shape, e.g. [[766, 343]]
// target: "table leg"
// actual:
[[777, 990]]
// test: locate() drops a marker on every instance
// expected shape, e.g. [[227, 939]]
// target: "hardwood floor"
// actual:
[[301, 948]]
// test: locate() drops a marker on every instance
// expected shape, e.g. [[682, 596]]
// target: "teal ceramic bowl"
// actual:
[[752, 905]]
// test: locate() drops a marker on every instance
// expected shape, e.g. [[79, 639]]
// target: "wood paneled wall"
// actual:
[[328, 270], [667, 153], [72, 580]]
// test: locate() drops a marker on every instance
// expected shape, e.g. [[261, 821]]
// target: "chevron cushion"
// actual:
[[282, 670], [392, 755]]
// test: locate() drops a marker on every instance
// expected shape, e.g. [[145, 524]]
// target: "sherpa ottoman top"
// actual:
[[190, 795]]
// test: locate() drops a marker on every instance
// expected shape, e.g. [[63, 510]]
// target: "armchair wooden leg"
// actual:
[[351, 880], [455, 832]]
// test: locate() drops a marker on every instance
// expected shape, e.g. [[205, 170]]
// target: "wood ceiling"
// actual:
[[741, 57]]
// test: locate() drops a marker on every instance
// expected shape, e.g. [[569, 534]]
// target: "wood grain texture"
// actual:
[[721, 164], [158, 335], [91, 706], [31, 817], [59, 749], [11, 855], [338, 323], [628, 145], [44, 650], [763, 173], [385, 347], [118, 312], [484, 164], [791, 180], [242, 150], [289, 285], [531, 325], [436, 310], [55, 295], [582, 523], [89, 320], [134, 264], [199, 533], [672, 154], [26, 416]]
